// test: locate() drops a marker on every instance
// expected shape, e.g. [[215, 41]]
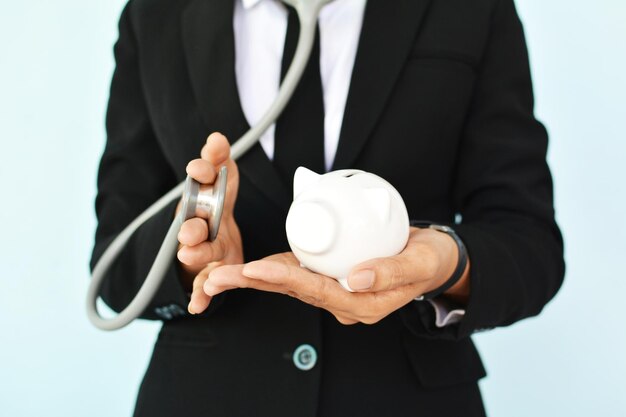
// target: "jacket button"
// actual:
[[305, 357]]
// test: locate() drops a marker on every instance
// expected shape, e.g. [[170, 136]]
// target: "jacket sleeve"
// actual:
[[133, 173], [503, 193]]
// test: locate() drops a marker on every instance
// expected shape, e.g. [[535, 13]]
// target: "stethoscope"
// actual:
[[206, 201]]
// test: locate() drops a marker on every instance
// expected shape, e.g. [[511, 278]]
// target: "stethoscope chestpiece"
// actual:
[[206, 201]]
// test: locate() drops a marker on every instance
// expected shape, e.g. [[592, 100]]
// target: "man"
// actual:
[[438, 101]]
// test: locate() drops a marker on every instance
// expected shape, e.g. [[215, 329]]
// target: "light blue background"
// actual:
[[55, 67]]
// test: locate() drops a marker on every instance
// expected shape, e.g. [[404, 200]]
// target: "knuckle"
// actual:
[[193, 256], [198, 282], [216, 249], [222, 247], [393, 273], [199, 255], [321, 291]]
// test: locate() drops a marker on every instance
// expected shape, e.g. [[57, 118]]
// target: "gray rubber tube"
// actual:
[[308, 12]]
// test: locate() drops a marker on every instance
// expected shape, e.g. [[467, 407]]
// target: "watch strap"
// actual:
[[462, 258]]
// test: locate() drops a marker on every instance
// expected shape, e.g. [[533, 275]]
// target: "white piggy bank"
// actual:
[[340, 219]]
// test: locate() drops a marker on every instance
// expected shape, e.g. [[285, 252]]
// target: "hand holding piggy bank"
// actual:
[[340, 219]]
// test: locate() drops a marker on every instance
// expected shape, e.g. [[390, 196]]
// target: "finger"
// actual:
[[368, 307], [202, 171], [213, 290], [202, 253], [230, 276], [282, 274], [222, 278], [312, 288], [199, 299], [193, 232], [267, 270], [216, 150]]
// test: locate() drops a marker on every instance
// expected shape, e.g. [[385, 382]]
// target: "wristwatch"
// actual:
[[461, 264]]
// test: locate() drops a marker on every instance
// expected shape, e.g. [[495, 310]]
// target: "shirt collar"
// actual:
[[248, 4]]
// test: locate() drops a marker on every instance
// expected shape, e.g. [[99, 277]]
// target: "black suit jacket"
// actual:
[[440, 104]]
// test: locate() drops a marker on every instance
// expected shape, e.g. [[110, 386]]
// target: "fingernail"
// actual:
[[362, 280], [189, 309], [253, 269]]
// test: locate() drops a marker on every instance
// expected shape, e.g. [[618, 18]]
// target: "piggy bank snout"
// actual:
[[311, 227]]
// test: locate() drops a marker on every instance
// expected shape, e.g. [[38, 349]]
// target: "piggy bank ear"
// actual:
[[380, 202], [302, 179]]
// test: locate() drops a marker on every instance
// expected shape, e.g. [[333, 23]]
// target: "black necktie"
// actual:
[[299, 135]]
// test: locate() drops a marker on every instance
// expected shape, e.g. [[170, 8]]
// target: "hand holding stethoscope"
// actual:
[[208, 201], [196, 251]]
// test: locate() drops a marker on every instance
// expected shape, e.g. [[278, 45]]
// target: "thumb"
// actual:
[[383, 274]]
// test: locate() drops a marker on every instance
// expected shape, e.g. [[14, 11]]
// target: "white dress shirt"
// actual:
[[260, 27]]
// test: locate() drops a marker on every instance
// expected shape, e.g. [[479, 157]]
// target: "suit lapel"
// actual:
[[208, 42], [209, 46], [259, 170], [389, 30]]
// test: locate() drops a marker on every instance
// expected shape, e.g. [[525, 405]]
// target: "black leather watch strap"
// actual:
[[461, 264]]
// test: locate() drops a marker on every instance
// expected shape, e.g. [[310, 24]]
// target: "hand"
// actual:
[[195, 252], [382, 285]]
